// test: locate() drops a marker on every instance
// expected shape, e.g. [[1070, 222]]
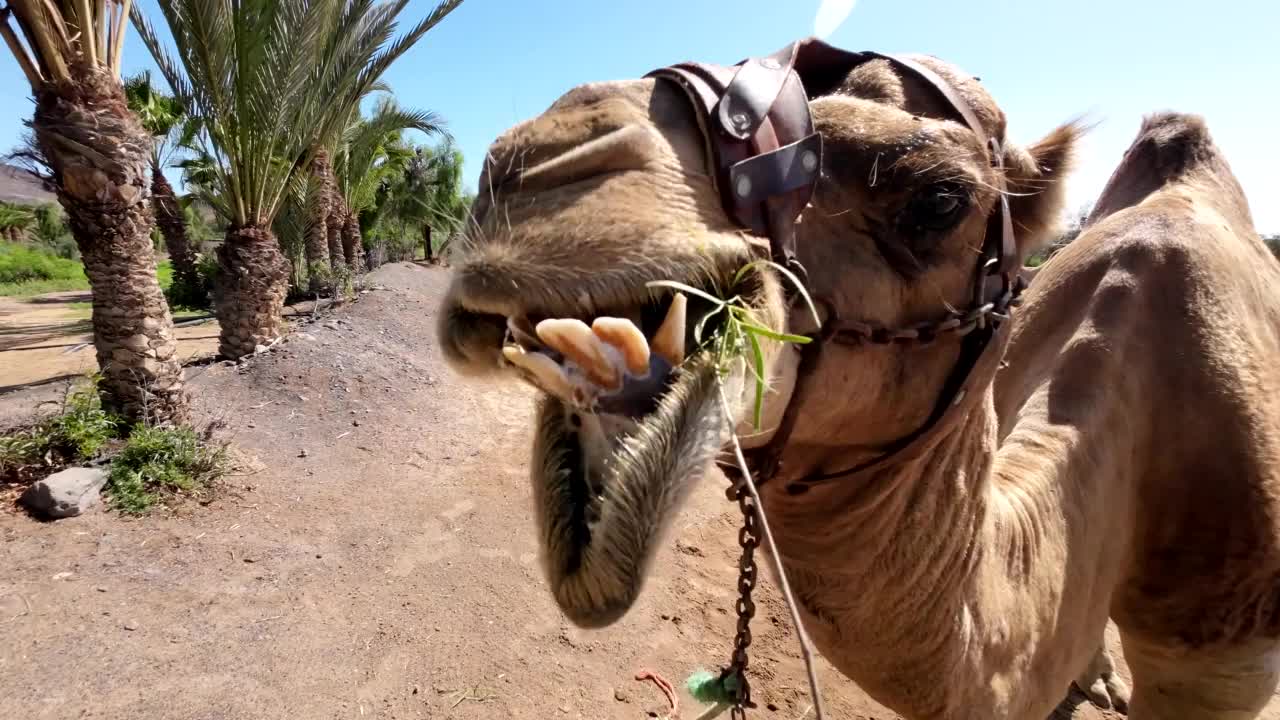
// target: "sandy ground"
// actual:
[[49, 337], [374, 558]]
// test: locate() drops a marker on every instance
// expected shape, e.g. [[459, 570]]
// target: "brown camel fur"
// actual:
[[1125, 462]]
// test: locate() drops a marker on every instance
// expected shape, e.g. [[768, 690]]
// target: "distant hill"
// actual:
[[21, 187]]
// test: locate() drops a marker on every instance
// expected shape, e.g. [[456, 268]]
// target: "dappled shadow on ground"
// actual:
[[24, 336], [63, 298]]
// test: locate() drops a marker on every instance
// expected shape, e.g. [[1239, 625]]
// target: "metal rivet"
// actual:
[[742, 186], [770, 63], [740, 121], [809, 159]]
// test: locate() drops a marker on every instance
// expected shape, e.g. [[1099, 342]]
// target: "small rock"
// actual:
[[62, 575], [620, 696], [303, 453], [67, 493], [250, 560], [355, 423], [100, 588], [130, 625]]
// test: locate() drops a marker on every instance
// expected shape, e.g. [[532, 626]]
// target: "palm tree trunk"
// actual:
[[319, 241], [426, 241], [337, 257], [249, 290], [353, 243], [100, 157], [173, 228]]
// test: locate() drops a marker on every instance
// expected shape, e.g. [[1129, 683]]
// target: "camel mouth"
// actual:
[[631, 408], [616, 362]]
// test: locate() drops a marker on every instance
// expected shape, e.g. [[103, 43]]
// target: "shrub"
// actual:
[[52, 233], [75, 435], [160, 461], [21, 263]]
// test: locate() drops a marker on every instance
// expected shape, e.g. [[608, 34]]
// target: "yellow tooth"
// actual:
[[627, 338], [575, 340], [547, 374], [668, 342]]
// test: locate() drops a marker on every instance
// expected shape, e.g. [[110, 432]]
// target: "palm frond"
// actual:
[[270, 81], [59, 35]]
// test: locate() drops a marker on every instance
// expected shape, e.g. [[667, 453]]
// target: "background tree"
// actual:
[[164, 117], [266, 78], [1074, 226], [372, 152], [16, 222], [426, 200], [97, 155]]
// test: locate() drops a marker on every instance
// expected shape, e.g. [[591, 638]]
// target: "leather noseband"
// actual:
[[766, 159]]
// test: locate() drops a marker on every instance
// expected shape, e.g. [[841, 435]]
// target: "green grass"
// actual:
[[26, 271], [41, 287], [160, 461]]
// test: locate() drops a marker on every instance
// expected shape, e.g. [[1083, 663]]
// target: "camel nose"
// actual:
[[627, 148]]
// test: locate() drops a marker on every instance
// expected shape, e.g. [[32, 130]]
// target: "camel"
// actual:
[[1120, 459]]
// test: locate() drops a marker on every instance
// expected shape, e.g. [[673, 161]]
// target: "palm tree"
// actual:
[[320, 215], [267, 78], [97, 154], [371, 153], [15, 222], [166, 121], [429, 195]]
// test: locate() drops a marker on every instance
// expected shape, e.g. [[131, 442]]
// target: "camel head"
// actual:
[[611, 188]]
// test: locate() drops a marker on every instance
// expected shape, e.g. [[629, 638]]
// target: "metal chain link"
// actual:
[[748, 539]]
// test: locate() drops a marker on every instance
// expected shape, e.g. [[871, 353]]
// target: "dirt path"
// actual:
[[49, 337], [378, 563]]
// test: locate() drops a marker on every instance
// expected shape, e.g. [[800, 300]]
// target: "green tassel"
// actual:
[[706, 687]]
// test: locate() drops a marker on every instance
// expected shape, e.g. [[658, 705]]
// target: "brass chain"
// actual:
[[748, 539]]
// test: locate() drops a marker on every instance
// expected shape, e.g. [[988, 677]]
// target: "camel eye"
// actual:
[[934, 209]]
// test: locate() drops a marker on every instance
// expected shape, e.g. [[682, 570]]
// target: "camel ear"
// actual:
[[1036, 178]]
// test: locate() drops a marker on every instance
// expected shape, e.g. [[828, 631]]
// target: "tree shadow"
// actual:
[[79, 296], [15, 337]]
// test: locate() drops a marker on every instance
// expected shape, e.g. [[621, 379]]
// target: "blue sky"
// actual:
[[492, 63]]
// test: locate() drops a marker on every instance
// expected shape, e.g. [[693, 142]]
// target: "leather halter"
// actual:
[[766, 159]]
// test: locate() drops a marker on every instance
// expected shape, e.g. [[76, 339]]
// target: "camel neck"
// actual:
[[926, 569]]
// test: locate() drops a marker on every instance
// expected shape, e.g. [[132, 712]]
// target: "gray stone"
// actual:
[[67, 493]]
